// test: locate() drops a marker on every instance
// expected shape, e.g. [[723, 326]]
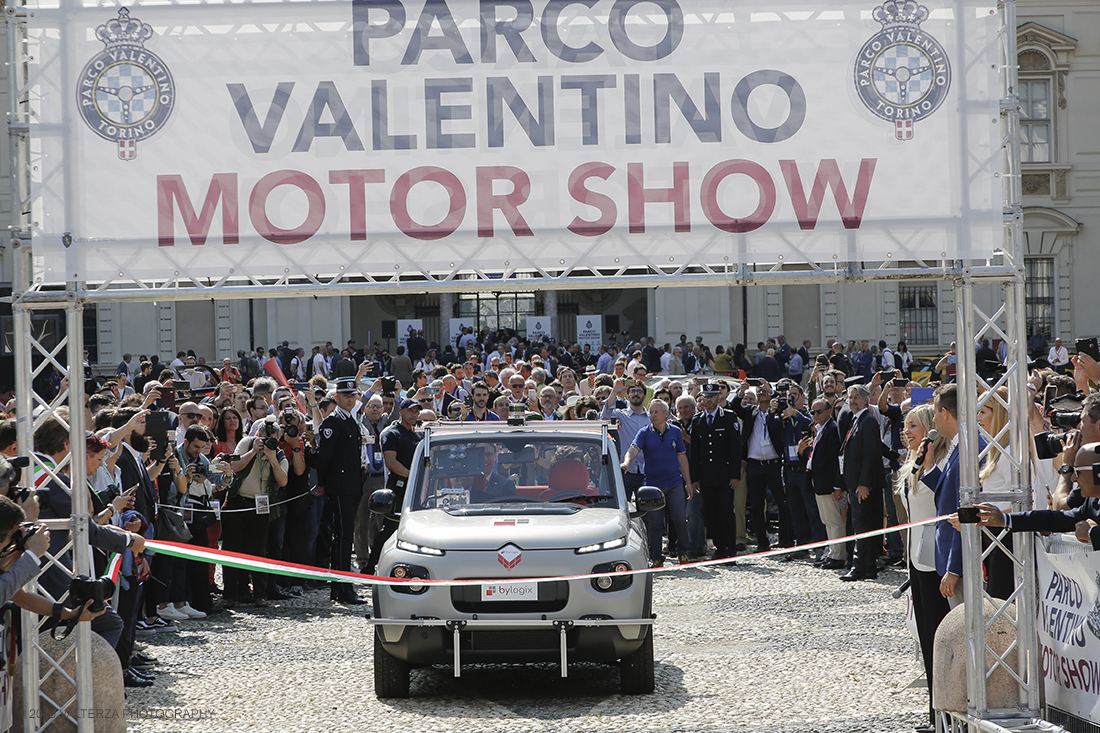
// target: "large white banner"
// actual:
[[1069, 628], [391, 136], [539, 327], [407, 328], [590, 331], [457, 324]]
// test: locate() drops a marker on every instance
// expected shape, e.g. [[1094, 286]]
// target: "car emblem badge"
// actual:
[[509, 556]]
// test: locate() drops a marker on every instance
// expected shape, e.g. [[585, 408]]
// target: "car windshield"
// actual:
[[535, 471]]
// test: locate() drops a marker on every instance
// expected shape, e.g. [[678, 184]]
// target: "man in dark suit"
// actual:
[[823, 471], [764, 443], [865, 478], [339, 464], [715, 462], [1081, 520]]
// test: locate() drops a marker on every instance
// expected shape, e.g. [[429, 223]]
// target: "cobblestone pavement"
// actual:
[[763, 647]]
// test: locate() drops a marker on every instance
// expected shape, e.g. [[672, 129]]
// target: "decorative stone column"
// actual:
[[550, 312], [446, 308]]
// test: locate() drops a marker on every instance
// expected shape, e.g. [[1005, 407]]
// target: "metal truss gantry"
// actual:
[[1008, 323]]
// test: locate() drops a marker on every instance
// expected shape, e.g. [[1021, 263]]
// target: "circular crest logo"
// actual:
[[125, 93], [902, 74]]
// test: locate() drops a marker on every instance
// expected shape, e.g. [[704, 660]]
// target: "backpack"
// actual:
[[898, 363]]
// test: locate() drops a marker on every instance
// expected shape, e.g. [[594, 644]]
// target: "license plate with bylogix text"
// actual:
[[509, 591]]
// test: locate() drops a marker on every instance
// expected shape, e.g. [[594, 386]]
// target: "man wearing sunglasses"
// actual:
[[516, 385], [821, 452]]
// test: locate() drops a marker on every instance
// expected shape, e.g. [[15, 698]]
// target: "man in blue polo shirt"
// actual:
[[666, 467]]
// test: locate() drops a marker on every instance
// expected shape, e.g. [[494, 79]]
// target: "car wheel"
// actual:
[[391, 675], [636, 668]]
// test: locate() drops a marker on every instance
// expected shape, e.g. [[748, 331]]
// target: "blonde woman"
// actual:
[[996, 476], [929, 606]]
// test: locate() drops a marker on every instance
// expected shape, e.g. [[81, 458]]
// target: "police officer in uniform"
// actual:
[[715, 460], [339, 463], [399, 443]]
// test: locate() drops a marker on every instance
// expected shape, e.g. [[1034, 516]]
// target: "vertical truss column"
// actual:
[[969, 486], [1022, 602], [1024, 544], [81, 506]]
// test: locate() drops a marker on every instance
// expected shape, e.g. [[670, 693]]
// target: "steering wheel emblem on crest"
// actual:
[[125, 93], [902, 74]]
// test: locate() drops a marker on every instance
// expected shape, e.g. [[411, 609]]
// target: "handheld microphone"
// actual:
[[932, 435], [896, 593]]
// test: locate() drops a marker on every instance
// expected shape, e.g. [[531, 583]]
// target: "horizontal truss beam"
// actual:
[[305, 286]]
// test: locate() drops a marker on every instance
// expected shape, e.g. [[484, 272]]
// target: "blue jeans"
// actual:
[[676, 509]]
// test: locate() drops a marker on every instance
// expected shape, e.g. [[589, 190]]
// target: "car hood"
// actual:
[[436, 528]]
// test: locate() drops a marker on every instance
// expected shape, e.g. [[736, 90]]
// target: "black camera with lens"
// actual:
[[782, 403], [26, 531], [83, 588], [18, 494], [290, 423], [1048, 444], [110, 493], [1067, 419], [200, 469], [271, 443]]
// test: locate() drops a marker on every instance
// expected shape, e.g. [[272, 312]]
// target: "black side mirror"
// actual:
[[648, 499], [382, 502]]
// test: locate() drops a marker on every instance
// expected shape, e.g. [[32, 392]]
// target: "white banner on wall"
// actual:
[[457, 324], [406, 328], [538, 327], [590, 331], [389, 136], [1069, 629]]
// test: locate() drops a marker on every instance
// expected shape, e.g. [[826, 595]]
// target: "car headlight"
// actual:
[[609, 545], [401, 571], [419, 549], [605, 583]]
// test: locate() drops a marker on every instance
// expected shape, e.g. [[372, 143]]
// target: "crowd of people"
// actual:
[[274, 453]]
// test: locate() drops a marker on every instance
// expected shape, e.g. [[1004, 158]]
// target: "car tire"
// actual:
[[391, 675], [636, 668]]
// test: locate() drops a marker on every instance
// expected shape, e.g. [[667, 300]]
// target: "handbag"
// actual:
[[171, 527], [202, 516]]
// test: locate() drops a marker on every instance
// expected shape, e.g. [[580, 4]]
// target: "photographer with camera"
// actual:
[[299, 443], [198, 502], [260, 470], [1082, 520], [23, 544], [765, 448], [806, 521], [1075, 427], [291, 513]]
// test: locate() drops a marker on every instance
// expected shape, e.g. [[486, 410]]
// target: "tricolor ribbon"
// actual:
[[278, 567]]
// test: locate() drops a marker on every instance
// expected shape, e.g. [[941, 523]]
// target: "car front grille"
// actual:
[[540, 639]]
